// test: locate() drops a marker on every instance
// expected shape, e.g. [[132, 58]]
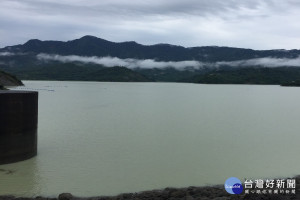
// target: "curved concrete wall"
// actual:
[[18, 125]]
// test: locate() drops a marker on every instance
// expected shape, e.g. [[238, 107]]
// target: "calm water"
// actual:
[[110, 138]]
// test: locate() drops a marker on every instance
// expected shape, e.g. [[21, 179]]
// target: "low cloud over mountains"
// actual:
[[180, 65], [114, 61]]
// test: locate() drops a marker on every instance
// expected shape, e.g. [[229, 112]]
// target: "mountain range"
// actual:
[[94, 59]]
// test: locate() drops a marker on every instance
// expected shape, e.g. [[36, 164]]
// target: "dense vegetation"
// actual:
[[287, 76], [169, 74], [295, 83], [23, 62], [78, 72], [7, 79], [2, 87], [270, 76]]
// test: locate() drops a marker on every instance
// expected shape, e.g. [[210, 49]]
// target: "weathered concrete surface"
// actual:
[[18, 125]]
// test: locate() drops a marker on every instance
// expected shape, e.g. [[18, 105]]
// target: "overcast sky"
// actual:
[[256, 24]]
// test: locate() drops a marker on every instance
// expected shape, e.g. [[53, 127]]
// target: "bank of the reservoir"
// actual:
[[7, 79], [190, 193]]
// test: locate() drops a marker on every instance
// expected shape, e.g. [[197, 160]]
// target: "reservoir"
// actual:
[[98, 138]]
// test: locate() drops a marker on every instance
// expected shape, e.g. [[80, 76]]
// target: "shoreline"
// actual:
[[216, 192]]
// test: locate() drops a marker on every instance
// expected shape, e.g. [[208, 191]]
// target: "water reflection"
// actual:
[[20, 179]]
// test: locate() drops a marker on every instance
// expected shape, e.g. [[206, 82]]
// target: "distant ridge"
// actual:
[[210, 64], [93, 46]]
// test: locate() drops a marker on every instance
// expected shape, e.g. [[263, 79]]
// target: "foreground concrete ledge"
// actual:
[[18, 125], [16, 92]]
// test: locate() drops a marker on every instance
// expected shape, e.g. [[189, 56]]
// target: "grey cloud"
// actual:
[[130, 8], [258, 24], [114, 61], [150, 63], [6, 54]]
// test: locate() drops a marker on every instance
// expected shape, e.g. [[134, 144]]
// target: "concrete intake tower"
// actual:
[[18, 125]]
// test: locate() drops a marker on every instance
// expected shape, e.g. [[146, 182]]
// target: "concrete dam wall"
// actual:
[[18, 125]]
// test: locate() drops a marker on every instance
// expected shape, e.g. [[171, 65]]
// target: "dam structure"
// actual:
[[18, 125]]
